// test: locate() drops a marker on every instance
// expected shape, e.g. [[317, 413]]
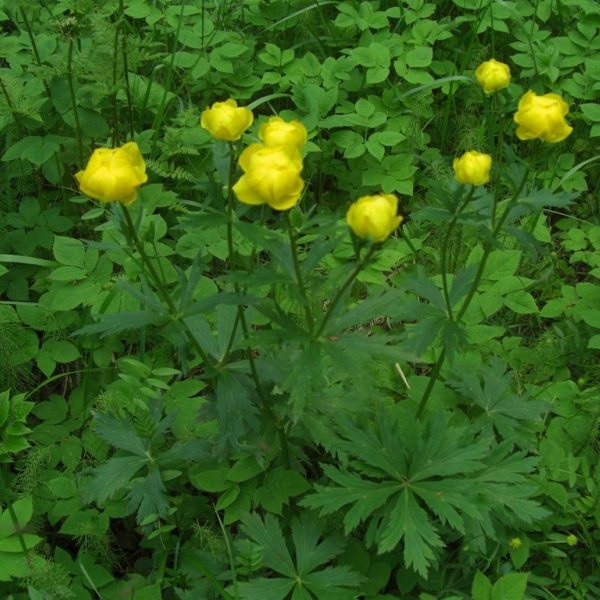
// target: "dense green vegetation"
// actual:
[[202, 397]]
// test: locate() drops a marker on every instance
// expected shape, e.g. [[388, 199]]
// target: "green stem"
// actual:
[[74, 102], [444, 251], [265, 407], [229, 202], [240, 318], [11, 107], [298, 272], [230, 251], [164, 294], [361, 264], [34, 48], [488, 248], [433, 376], [126, 75], [498, 155], [409, 243], [472, 290], [115, 111]]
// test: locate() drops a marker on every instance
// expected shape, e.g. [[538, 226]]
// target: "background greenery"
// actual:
[[431, 434]]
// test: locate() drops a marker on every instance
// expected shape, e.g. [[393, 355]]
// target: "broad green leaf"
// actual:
[[521, 302], [245, 468], [481, 588], [14, 544], [278, 486], [69, 251], [23, 511], [510, 587]]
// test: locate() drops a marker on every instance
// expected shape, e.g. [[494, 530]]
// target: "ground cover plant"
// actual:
[[299, 299]]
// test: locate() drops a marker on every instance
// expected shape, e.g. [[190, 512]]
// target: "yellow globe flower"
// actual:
[[492, 75], [271, 176], [226, 120], [572, 540], [277, 132], [473, 167], [113, 175], [374, 216], [515, 543], [542, 117]]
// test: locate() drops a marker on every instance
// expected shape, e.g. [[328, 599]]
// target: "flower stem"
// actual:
[[298, 272], [409, 243], [444, 251], [361, 264], [164, 294], [74, 102], [230, 253], [433, 377], [240, 318], [471, 293]]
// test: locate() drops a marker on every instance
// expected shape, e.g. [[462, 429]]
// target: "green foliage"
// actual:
[[403, 475], [141, 445], [302, 574], [200, 395]]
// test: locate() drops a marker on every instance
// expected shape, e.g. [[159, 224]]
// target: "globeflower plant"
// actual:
[[277, 132], [542, 117], [374, 216], [113, 174], [226, 120], [493, 75], [473, 167], [271, 176]]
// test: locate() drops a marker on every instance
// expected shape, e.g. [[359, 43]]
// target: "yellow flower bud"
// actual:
[[277, 132], [542, 117], [515, 543], [572, 540], [492, 75], [271, 176], [226, 121], [374, 216], [473, 167], [113, 175]]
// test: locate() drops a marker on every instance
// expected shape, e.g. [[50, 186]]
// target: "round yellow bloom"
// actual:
[[492, 75], [113, 175], [473, 167], [542, 117], [226, 120], [277, 132], [374, 216], [515, 543], [572, 540], [271, 176]]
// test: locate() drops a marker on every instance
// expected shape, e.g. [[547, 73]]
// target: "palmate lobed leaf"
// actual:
[[268, 535], [276, 588], [120, 433], [398, 477], [408, 521], [110, 477], [365, 495], [330, 583], [311, 552]]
